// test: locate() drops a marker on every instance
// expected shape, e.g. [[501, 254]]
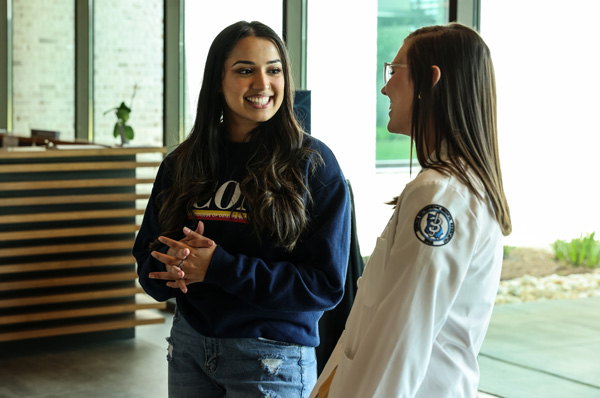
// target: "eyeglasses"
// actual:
[[388, 70]]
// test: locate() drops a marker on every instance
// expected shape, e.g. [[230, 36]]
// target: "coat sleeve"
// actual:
[[149, 231], [406, 299], [312, 277]]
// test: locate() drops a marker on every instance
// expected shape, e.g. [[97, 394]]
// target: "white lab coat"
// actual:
[[424, 301]]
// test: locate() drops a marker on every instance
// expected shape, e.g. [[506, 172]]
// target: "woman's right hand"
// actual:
[[178, 252]]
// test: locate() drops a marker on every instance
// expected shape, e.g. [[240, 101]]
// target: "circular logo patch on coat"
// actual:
[[434, 225]]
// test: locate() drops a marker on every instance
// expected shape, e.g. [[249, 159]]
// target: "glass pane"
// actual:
[[340, 66], [395, 20], [44, 67], [342, 59], [203, 21], [547, 115], [128, 67]]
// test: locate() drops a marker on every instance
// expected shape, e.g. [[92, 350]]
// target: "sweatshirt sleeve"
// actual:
[[149, 230], [312, 277], [407, 295]]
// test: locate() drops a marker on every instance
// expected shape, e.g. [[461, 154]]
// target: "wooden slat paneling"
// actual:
[[67, 232], [69, 297], [79, 166], [68, 220], [69, 215], [141, 302], [67, 281], [89, 262], [64, 184], [71, 199], [66, 248], [139, 318]]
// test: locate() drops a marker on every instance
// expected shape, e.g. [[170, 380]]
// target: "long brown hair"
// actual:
[[275, 188], [460, 109]]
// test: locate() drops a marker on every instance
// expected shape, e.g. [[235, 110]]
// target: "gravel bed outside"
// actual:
[[550, 287]]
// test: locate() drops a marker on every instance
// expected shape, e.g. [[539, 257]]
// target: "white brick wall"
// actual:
[[43, 66]]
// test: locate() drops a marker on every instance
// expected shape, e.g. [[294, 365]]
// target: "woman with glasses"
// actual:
[[248, 227], [426, 296]]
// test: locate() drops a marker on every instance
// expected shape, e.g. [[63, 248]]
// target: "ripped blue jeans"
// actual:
[[209, 367]]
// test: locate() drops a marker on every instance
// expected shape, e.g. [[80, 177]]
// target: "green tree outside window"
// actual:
[[395, 20]]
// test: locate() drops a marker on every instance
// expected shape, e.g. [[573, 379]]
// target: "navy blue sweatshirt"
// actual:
[[253, 288]]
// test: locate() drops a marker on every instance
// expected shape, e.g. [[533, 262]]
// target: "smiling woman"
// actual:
[[247, 227]]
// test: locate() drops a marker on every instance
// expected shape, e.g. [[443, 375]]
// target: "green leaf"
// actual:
[[128, 132], [123, 112], [116, 130]]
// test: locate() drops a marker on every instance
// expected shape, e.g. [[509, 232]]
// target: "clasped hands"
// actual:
[[186, 261]]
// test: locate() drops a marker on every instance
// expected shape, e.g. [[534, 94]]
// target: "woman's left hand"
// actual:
[[197, 252]]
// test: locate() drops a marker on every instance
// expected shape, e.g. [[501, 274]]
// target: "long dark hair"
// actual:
[[460, 110], [275, 190]]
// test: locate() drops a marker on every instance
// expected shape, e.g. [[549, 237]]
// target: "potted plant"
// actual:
[[122, 129]]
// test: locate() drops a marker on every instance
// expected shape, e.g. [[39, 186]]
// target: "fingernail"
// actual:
[[151, 276], [186, 230]]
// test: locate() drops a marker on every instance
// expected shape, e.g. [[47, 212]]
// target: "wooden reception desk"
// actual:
[[67, 226]]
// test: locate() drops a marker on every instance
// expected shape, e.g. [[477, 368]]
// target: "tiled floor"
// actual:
[[544, 349]]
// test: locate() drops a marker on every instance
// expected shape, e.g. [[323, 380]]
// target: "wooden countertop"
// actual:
[[72, 151]]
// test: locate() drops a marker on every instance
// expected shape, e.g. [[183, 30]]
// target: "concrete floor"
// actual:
[[123, 368], [543, 349]]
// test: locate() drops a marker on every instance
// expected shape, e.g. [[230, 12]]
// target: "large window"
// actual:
[[127, 47], [395, 20], [545, 60], [347, 47], [128, 67], [43, 68]]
